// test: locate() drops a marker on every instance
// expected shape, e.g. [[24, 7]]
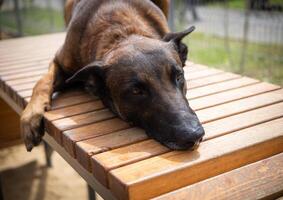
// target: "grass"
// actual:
[[264, 62], [35, 21], [239, 4]]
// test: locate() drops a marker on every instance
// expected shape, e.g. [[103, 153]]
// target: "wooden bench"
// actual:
[[242, 117]]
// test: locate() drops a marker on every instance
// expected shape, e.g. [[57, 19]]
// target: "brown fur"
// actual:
[[89, 38], [129, 40]]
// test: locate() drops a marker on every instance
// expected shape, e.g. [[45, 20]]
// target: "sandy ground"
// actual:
[[24, 176]]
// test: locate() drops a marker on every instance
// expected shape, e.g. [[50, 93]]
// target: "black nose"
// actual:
[[198, 134], [193, 139]]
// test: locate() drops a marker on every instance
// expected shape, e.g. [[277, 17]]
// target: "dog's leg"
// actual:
[[31, 119]]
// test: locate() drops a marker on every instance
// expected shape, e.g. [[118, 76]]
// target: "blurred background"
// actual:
[[235, 35]]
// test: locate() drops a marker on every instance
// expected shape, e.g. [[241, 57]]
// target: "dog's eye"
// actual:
[[137, 91], [180, 78]]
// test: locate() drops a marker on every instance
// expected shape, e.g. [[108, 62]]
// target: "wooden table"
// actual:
[[242, 117]]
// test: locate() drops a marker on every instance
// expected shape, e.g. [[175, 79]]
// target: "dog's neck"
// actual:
[[109, 28]]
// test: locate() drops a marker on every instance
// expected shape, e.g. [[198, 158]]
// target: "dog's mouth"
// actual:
[[188, 146], [173, 145]]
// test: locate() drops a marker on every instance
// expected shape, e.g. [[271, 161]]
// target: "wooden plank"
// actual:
[[6, 63], [25, 69], [83, 119], [36, 63], [242, 120], [232, 95], [18, 57], [9, 133], [103, 163], [87, 148], [70, 137], [96, 116], [73, 110], [220, 87], [260, 180], [61, 103], [25, 93], [239, 106], [23, 80], [178, 169], [202, 73], [24, 86], [24, 75], [216, 78]]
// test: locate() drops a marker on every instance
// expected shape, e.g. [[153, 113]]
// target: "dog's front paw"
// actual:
[[32, 125]]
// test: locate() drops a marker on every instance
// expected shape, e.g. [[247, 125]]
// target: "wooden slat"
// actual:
[[82, 119], [24, 61], [260, 180], [202, 73], [243, 120], [240, 106], [220, 87], [56, 128], [177, 169], [23, 80], [24, 86], [70, 137], [23, 75], [231, 95], [87, 148], [214, 129], [216, 78], [36, 63], [26, 69], [61, 103]]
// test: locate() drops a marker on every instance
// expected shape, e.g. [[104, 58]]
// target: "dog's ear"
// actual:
[[176, 39], [93, 69], [92, 75]]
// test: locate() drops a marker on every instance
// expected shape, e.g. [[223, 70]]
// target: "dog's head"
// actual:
[[143, 82]]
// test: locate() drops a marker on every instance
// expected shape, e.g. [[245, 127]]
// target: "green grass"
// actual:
[[35, 21], [239, 4], [264, 62]]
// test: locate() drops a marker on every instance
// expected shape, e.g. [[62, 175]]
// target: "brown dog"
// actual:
[[123, 52]]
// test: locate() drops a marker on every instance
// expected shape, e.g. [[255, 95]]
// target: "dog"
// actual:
[[124, 52]]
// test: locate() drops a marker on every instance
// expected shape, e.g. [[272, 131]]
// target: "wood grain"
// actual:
[[85, 149], [260, 180], [9, 126], [239, 106], [70, 137], [231, 95], [220, 87], [214, 129], [176, 169], [217, 78]]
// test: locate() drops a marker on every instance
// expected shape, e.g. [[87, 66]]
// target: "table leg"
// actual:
[[91, 193], [1, 190], [48, 153]]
